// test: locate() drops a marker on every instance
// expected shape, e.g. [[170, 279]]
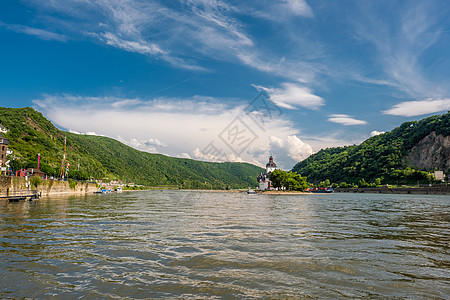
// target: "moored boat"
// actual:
[[250, 191], [320, 190]]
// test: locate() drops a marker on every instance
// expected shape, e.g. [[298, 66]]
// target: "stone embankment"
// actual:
[[429, 190], [46, 187]]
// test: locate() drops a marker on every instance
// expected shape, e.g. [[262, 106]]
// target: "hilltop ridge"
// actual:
[[405, 154]]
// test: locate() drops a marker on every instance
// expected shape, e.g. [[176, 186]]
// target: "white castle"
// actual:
[[263, 179]]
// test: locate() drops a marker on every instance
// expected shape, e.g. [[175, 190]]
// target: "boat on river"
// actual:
[[320, 190], [250, 191]]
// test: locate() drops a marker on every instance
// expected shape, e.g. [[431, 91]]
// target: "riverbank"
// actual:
[[45, 187], [429, 190], [285, 193]]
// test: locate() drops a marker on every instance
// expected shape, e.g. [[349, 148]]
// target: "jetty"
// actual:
[[16, 196]]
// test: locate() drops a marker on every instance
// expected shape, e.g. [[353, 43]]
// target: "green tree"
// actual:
[[291, 181]]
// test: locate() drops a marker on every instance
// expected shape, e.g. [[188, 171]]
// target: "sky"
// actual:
[[230, 80]]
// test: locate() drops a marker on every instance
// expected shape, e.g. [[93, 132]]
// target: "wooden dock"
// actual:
[[16, 196]]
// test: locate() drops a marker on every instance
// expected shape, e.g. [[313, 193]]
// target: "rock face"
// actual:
[[432, 152]]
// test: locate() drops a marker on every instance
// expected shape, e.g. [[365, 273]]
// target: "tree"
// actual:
[[278, 177], [291, 181]]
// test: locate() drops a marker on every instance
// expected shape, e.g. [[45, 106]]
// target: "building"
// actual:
[[32, 172], [264, 179], [3, 129], [3, 149], [439, 175]]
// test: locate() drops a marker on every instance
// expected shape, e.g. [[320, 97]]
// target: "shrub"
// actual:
[[35, 181]]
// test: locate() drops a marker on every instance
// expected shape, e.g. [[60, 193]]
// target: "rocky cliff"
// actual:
[[432, 152]]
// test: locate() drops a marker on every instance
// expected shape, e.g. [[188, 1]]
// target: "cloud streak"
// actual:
[[418, 108], [37, 32], [293, 96], [345, 120]]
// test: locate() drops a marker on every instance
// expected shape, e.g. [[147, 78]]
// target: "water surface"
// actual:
[[181, 244]]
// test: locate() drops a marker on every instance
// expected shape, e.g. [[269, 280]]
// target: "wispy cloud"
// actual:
[[277, 11], [345, 120], [292, 96], [400, 41], [184, 33], [37, 32], [418, 108]]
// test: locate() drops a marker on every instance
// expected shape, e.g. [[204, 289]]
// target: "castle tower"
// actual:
[[270, 166]]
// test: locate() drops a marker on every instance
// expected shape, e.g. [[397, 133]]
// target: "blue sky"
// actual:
[[177, 77]]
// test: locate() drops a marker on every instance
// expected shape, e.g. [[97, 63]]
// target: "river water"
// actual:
[[182, 244]]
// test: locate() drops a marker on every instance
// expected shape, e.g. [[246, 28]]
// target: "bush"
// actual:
[[35, 181], [72, 184]]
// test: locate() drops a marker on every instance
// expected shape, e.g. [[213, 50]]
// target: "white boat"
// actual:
[[250, 191]]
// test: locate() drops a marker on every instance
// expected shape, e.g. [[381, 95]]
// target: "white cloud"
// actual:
[[345, 120], [418, 108], [85, 133], [289, 150], [184, 155], [292, 96], [376, 132], [74, 131], [176, 127]]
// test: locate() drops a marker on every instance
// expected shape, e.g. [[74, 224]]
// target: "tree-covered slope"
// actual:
[[382, 156], [157, 169], [31, 133]]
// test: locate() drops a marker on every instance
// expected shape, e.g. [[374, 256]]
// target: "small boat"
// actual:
[[118, 190], [250, 191], [320, 190], [104, 191]]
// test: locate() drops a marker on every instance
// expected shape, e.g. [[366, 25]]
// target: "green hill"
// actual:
[[31, 133], [399, 156]]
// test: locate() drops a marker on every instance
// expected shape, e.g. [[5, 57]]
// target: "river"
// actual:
[[214, 245]]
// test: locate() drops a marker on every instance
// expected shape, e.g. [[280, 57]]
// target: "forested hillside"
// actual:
[[383, 158], [31, 133]]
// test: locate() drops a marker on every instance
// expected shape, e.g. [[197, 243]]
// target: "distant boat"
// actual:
[[250, 191], [119, 189], [104, 191], [320, 190]]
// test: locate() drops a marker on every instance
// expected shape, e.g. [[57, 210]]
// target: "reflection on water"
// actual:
[[179, 244]]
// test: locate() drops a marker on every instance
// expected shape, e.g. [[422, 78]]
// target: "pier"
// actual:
[[16, 196]]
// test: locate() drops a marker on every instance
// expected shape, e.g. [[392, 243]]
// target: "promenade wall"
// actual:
[[429, 190], [47, 187]]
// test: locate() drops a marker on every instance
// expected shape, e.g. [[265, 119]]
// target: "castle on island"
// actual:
[[263, 179]]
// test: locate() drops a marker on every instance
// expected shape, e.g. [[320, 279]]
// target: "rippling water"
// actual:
[[180, 244]]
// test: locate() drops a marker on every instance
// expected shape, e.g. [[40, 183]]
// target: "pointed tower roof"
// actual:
[[271, 164]]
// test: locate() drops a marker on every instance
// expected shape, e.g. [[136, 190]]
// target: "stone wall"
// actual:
[[432, 190], [47, 187]]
